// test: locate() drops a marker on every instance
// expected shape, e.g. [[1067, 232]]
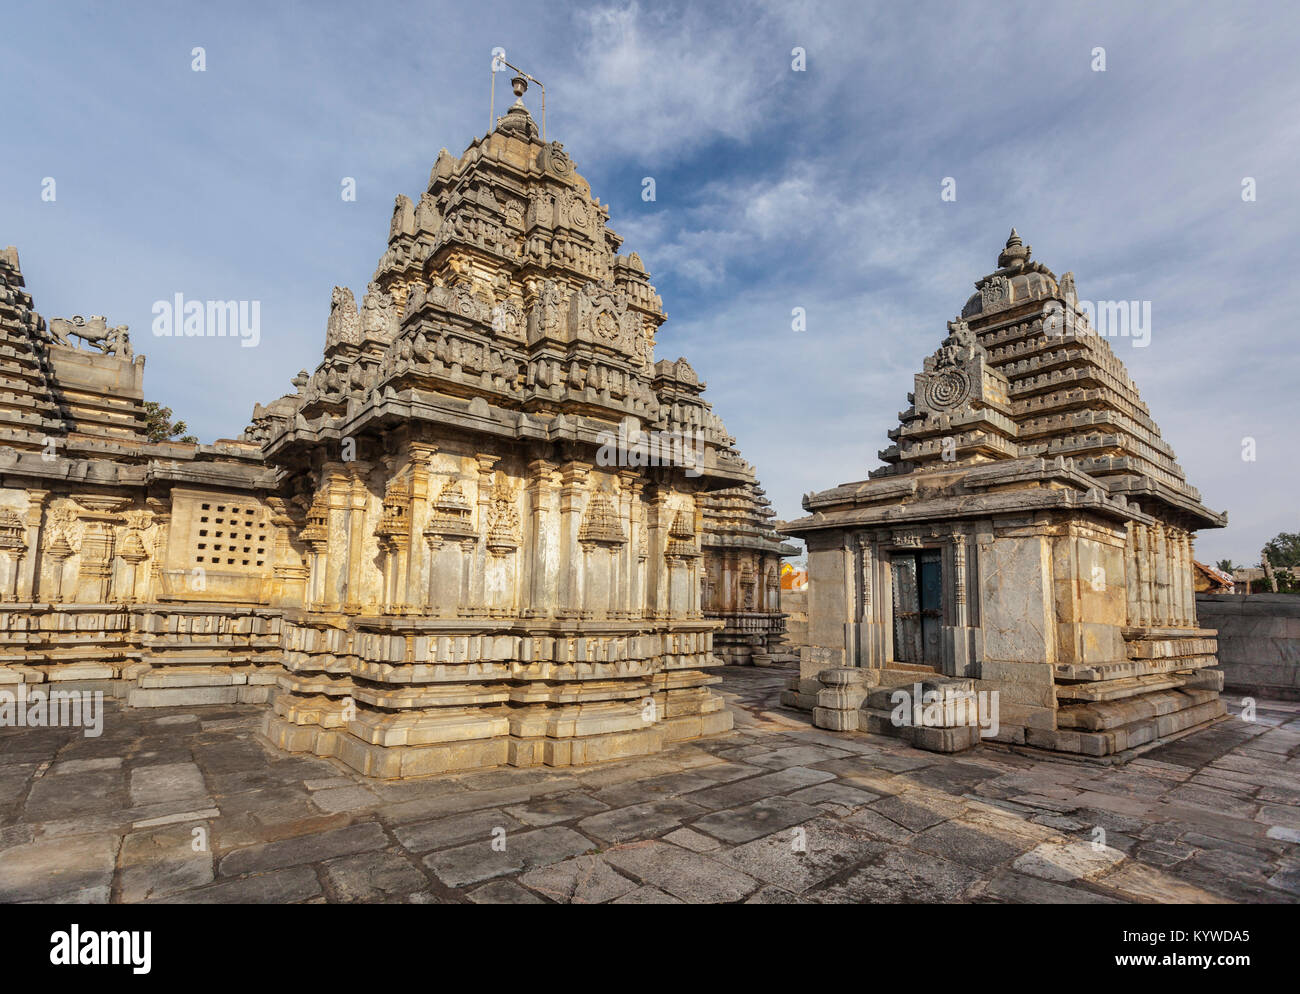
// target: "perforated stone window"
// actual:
[[230, 536]]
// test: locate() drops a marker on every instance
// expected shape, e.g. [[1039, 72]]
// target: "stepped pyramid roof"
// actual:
[[29, 411], [1023, 377], [85, 406], [742, 518]]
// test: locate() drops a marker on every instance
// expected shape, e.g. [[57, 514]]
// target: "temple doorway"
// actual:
[[918, 606]]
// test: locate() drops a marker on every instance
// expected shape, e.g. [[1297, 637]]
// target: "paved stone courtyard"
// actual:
[[1210, 818]]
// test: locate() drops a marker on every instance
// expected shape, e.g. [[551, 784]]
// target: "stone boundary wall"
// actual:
[[1259, 641]]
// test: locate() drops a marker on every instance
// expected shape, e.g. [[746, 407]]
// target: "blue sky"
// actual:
[[775, 189]]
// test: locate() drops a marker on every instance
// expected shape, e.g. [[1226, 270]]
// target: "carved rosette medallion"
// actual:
[[949, 389]]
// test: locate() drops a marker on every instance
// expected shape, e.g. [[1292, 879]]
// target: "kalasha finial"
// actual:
[[1016, 253], [519, 84]]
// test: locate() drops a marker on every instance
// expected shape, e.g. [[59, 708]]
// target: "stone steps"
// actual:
[[1109, 690], [1127, 735], [939, 730], [880, 697], [934, 739], [1102, 715], [1159, 660]]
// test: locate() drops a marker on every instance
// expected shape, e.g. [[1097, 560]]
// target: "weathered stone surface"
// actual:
[[1067, 861], [446, 832], [647, 895], [503, 892], [335, 799], [164, 861], [688, 876], [971, 844], [795, 861], [288, 886], [754, 788], [750, 821], [896, 878], [43, 870], [582, 880], [373, 876], [168, 782], [523, 851], [305, 849], [639, 820], [553, 810], [998, 824]]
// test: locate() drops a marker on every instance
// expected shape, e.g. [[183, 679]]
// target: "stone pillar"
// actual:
[[1160, 606], [133, 555], [660, 522], [573, 477], [465, 602], [848, 582], [843, 691], [694, 608], [865, 581], [540, 539], [315, 576], [432, 543], [1192, 619], [478, 578], [401, 545], [417, 565], [1131, 572], [1144, 563], [1175, 577], [632, 487], [959, 580], [59, 553], [332, 560], [358, 500], [28, 571]]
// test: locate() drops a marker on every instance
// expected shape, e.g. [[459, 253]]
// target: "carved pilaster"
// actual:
[[31, 562], [959, 579], [573, 478]]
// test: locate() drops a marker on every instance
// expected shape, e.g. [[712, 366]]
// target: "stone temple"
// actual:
[[1030, 536], [742, 577], [476, 534]]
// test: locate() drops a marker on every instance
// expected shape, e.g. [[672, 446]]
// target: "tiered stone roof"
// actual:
[[1022, 374], [742, 518], [28, 409], [77, 414]]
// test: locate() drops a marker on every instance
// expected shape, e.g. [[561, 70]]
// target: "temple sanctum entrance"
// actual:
[[918, 606]]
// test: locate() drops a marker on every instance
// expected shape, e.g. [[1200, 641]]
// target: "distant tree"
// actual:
[[159, 427], [1284, 549], [1226, 565]]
